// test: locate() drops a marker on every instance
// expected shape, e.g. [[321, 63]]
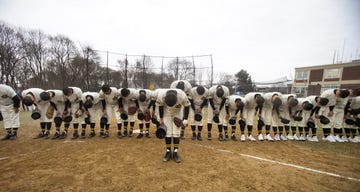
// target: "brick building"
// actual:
[[313, 80]]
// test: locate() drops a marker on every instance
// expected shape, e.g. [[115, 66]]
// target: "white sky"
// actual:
[[267, 38]]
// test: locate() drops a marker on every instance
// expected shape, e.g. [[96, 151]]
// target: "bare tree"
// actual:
[[181, 69], [10, 54]]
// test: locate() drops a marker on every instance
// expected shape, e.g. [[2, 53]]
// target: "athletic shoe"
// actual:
[[56, 135], [209, 136], [167, 155], [260, 137], [352, 140], [140, 136], [251, 138], [131, 133], [182, 136], [290, 136], [344, 138], [226, 137], [296, 138], [119, 135], [92, 134], [314, 138], [106, 134], [302, 138], [221, 137], [63, 135], [337, 138], [83, 135], [282, 137], [46, 135], [176, 157], [147, 135], [13, 136], [357, 138], [193, 136], [277, 137], [75, 135], [269, 138], [330, 138], [199, 138], [309, 138], [125, 133], [242, 137]]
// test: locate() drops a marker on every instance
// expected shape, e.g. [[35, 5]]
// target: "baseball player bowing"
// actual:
[[35, 97], [173, 105], [146, 106], [57, 103], [185, 86], [271, 113], [234, 105], [253, 107], [129, 106], [289, 102], [198, 100], [110, 100], [73, 106], [9, 111], [217, 97], [92, 108]]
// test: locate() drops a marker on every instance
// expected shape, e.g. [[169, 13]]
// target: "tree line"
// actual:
[[31, 58]]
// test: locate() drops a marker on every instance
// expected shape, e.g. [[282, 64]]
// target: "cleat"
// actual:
[[125, 133], [13, 136], [63, 135], [105, 135], [119, 135], [309, 138], [147, 135], [302, 137], [242, 137], [233, 137], [209, 136], [352, 140], [131, 133], [83, 135], [260, 137], [221, 137], [282, 137], [41, 135], [338, 139], [277, 137], [290, 137], [167, 156], [92, 134], [176, 157], [357, 138], [199, 137], [330, 138], [314, 138], [182, 136], [140, 136], [226, 137], [269, 138], [75, 135], [296, 138], [56, 135], [344, 138], [251, 138], [193, 136], [47, 135]]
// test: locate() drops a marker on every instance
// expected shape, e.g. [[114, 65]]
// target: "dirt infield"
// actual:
[[131, 164]]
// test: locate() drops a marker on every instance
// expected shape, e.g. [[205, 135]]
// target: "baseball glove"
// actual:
[[285, 121], [147, 116], [349, 121], [178, 122], [1, 117], [132, 110], [50, 112], [140, 115], [298, 118]]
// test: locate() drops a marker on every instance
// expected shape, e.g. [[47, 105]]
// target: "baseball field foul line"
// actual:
[[281, 163]]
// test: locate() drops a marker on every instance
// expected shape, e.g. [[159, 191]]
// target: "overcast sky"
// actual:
[[267, 38]]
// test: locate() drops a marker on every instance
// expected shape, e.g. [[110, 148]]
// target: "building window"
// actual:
[[301, 75], [330, 86], [331, 73], [299, 91]]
